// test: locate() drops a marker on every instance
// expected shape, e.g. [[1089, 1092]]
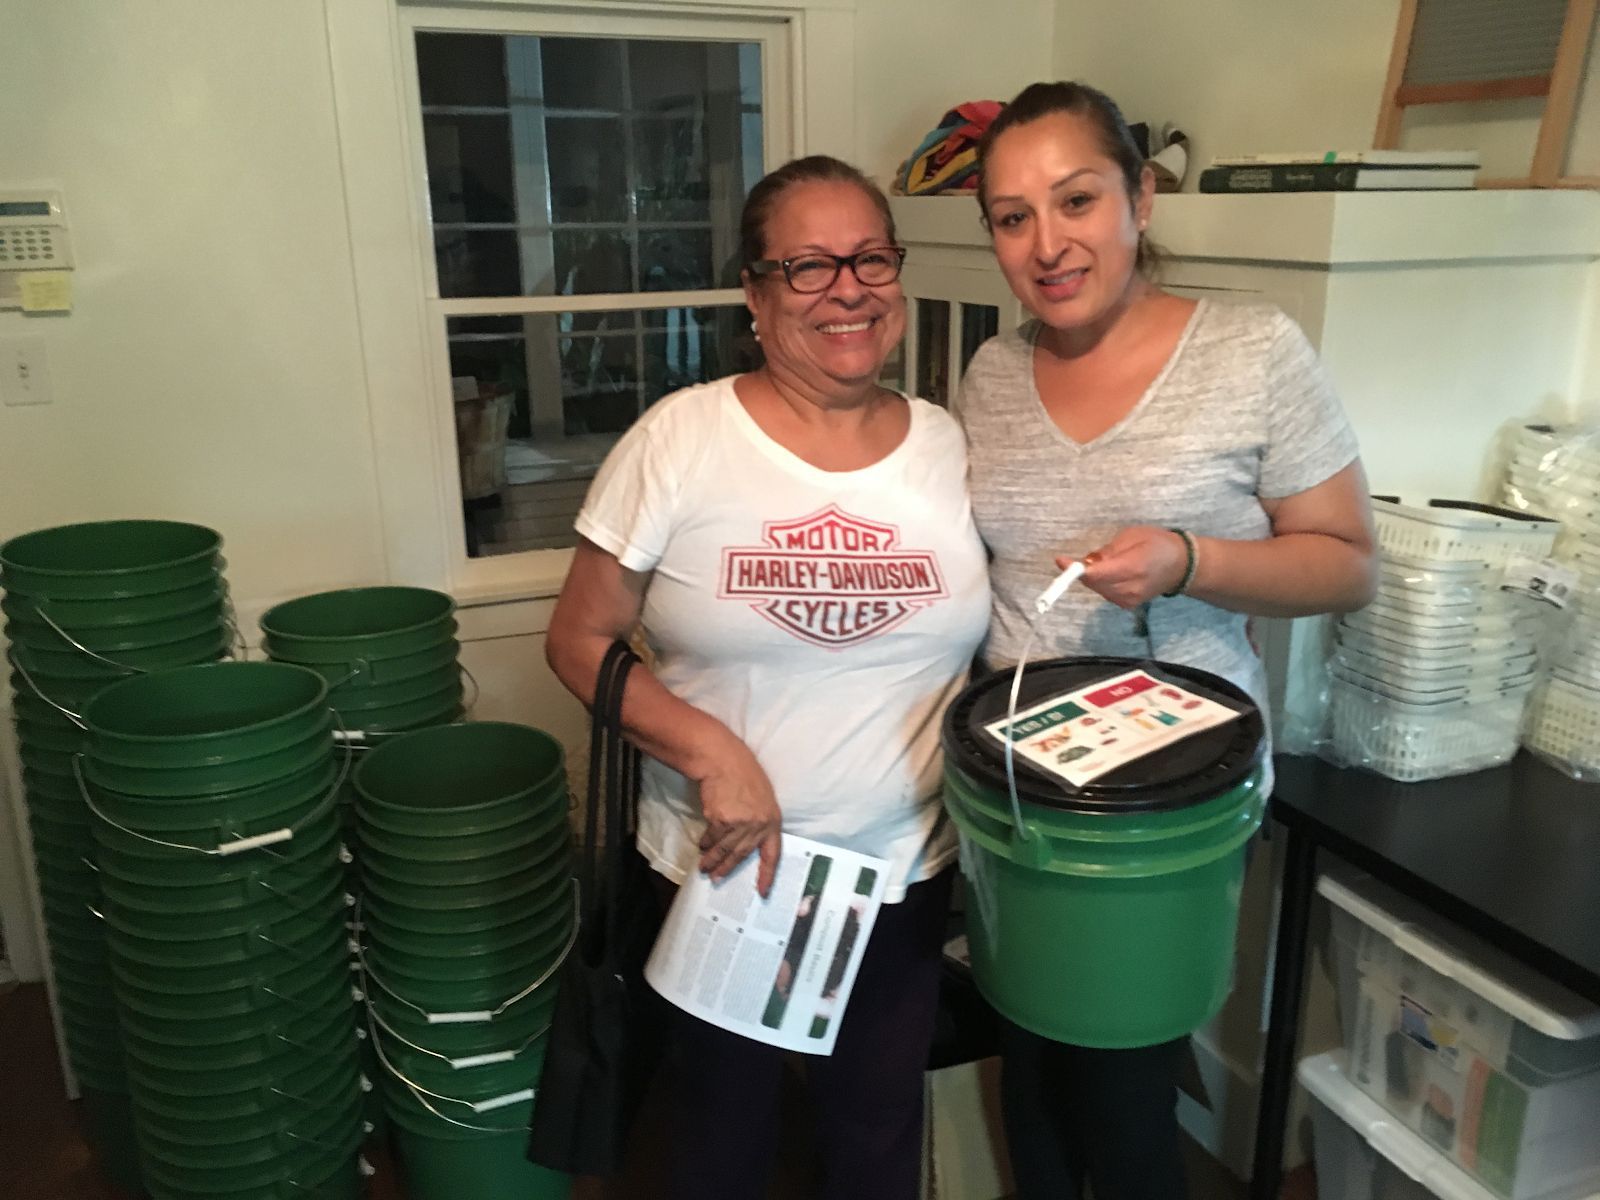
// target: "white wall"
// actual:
[[1247, 76], [916, 59]]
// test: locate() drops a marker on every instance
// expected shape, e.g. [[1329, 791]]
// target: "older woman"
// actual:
[[1191, 453], [798, 547]]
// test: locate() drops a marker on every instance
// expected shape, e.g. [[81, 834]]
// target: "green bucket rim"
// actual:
[[37, 562], [122, 714], [1230, 818], [353, 704], [158, 783], [453, 846], [402, 915], [516, 1025], [74, 664], [230, 1139], [274, 996], [256, 1097], [110, 639], [320, 1174], [303, 623], [415, 760], [515, 860], [462, 993], [255, 944], [192, 923], [474, 941], [432, 711], [95, 613], [227, 977], [332, 1032], [535, 950], [358, 673], [487, 894], [274, 1178], [224, 1028], [270, 804]]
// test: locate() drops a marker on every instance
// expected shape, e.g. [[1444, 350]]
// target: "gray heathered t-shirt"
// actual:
[[1242, 410]]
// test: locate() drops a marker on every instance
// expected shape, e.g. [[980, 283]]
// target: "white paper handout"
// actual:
[[1080, 736], [778, 969]]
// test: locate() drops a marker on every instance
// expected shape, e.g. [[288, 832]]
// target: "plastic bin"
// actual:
[[1362, 1154], [1494, 1066]]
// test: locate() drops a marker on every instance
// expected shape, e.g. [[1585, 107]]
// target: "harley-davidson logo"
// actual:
[[832, 578]]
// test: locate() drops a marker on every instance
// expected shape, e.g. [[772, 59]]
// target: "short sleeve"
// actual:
[[628, 511], [1309, 438]]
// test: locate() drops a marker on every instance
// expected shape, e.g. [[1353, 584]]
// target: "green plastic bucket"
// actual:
[[500, 900], [351, 677], [198, 1174], [316, 1174], [548, 826], [471, 1082], [399, 913], [109, 559], [105, 613], [300, 1084], [438, 708], [356, 625], [69, 663], [1109, 921], [353, 703], [241, 813], [463, 777], [475, 942], [234, 1021], [108, 1129], [196, 1085], [28, 627], [516, 861], [212, 713], [513, 961], [269, 1136]]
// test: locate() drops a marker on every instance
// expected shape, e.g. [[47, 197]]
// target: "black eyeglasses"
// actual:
[[873, 267]]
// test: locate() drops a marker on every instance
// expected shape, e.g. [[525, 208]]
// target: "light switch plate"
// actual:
[[24, 371]]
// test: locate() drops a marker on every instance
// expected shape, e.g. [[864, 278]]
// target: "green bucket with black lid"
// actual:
[[1105, 915]]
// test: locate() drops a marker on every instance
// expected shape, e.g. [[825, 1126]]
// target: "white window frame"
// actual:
[[807, 104]]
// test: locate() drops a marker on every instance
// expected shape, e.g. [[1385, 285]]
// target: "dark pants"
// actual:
[[866, 1096], [1106, 1116]]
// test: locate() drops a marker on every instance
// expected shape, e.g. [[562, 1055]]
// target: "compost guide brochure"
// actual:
[[1080, 736], [778, 968]]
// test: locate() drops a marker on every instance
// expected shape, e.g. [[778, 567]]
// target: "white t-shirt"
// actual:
[[826, 617]]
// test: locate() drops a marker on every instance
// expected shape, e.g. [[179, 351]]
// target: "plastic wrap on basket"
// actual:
[[1432, 678]]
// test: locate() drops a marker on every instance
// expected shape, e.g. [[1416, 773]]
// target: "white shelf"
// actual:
[[1327, 229]]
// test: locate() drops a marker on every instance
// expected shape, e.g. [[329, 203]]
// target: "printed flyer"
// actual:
[[777, 969], [1082, 735]]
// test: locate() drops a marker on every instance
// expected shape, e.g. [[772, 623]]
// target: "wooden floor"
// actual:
[[43, 1156]]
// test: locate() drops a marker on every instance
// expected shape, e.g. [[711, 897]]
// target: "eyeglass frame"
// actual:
[[764, 267]]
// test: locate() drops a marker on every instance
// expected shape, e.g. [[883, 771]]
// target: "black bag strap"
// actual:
[[613, 779]]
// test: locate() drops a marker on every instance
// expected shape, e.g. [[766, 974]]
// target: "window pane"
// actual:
[[477, 262], [633, 138], [462, 69], [673, 172], [469, 174], [979, 323], [675, 260], [592, 261], [582, 72], [933, 351], [544, 398], [588, 169]]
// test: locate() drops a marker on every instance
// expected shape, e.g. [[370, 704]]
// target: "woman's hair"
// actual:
[[1088, 104], [816, 168]]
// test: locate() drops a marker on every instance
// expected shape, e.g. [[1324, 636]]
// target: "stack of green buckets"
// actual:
[[87, 605], [467, 911], [212, 792]]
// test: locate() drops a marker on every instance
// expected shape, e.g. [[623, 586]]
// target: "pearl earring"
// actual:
[[755, 329]]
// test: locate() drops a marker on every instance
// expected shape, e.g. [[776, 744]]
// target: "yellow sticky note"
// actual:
[[46, 291]]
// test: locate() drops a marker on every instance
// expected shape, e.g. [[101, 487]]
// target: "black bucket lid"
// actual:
[[1188, 772]]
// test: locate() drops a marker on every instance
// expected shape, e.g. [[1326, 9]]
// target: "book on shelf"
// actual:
[[1335, 177], [1371, 158]]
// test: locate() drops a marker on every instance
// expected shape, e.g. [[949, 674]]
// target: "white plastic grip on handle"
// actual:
[[255, 843], [1058, 588]]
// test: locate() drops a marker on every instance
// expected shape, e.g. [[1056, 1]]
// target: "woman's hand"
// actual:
[[741, 815], [1138, 564]]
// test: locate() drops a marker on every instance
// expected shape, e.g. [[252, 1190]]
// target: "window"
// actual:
[[584, 195]]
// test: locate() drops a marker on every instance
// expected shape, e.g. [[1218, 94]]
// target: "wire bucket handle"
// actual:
[[39, 611], [477, 1016], [33, 686], [421, 1094], [226, 849], [467, 1062]]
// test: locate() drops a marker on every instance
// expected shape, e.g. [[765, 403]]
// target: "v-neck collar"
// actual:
[[1030, 341]]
